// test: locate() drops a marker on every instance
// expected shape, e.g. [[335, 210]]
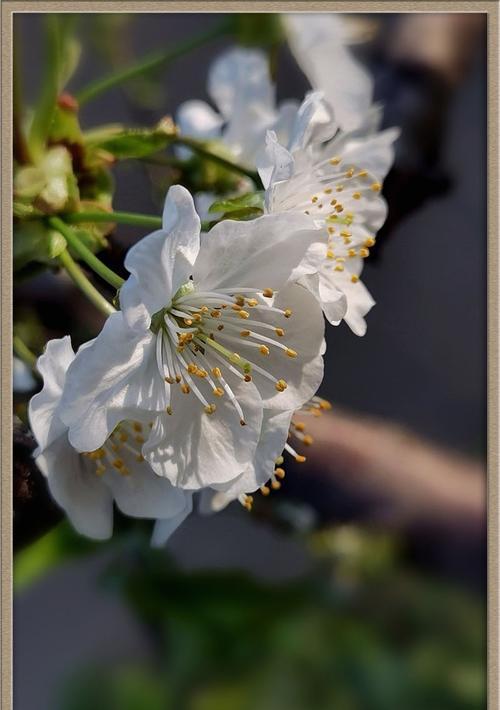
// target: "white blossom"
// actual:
[[85, 484], [320, 43], [335, 178], [209, 335], [240, 87]]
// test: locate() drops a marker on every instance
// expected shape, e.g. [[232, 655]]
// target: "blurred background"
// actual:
[[361, 584]]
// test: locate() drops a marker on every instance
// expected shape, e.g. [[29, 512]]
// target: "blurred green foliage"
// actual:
[[364, 632]]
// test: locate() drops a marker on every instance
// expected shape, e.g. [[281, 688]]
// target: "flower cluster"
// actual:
[[199, 384]]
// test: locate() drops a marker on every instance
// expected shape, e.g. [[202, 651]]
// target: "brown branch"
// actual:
[[35, 513]]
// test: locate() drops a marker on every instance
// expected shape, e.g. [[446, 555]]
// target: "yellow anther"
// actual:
[[252, 302], [279, 460], [197, 317], [202, 373], [100, 470], [280, 473], [215, 314], [356, 195], [192, 368], [314, 199], [210, 408], [300, 459], [276, 485], [354, 279], [244, 333], [279, 332], [328, 191], [178, 379], [236, 307], [281, 385], [333, 202], [204, 309], [247, 378], [185, 389], [239, 300], [339, 208], [349, 173], [352, 252], [188, 321], [369, 242], [335, 161], [218, 391], [308, 440], [264, 350], [339, 267], [118, 464], [268, 292], [364, 252], [290, 352], [375, 186], [331, 230], [265, 490], [299, 426], [244, 314], [345, 233], [339, 188], [216, 372], [169, 410], [287, 313], [169, 380], [363, 173]]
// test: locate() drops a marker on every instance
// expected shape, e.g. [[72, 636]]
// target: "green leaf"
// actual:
[[60, 544], [251, 203], [29, 243], [135, 143]]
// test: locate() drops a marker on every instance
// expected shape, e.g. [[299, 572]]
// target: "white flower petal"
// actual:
[[141, 493], [318, 44], [314, 122], [52, 365], [193, 449], [163, 529], [239, 80], [198, 119], [114, 377], [161, 262], [304, 334], [274, 162], [332, 300], [273, 437], [75, 487], [260, 253], [359, 303]]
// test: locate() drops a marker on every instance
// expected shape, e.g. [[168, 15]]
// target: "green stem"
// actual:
[[85, 254], [45, 107], [132, 218], [84, 284], [23, 352], [199, 147], [149, 63], [140, 220]]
